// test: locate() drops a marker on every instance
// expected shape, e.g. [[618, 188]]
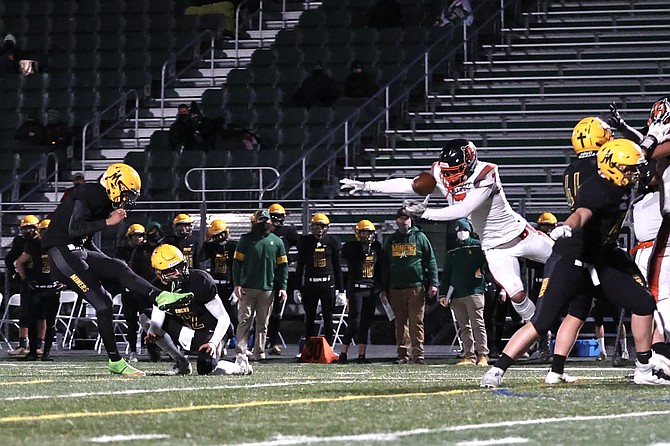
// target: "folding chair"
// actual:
[[457, 336], [339, 323], [65, 316], [281, 316], [7, 321], [119, 324]]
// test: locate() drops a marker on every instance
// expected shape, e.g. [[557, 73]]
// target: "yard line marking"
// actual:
[[169, 389], [391, 436], [508, 440], [248, 404], [113, 438]]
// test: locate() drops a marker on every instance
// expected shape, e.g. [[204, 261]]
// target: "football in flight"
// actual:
[[424, 183]]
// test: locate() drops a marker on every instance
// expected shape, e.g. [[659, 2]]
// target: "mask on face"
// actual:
[[463, 235], [154, 236], [262, 226]]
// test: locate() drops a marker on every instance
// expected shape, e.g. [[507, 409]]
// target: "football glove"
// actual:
[[352, 186], [616, 120], [563, 231], [416, 209]]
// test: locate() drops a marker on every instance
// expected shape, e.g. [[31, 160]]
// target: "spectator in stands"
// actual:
[[181, 133], [385, 14], [31, 133], [58, 133], [318, 89], [455, 11], [10, 55], [359, 83], [77, 179]]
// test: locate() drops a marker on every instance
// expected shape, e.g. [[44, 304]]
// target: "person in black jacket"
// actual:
[[318, 89], [359, 83], [363, 257], [318, 274], [75, 261]]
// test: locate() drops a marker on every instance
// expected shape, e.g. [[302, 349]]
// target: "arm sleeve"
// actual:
[[215, 307], [282, 267], [337, 265], [80, 225], [386, 265], [238, 258], [11, 257], [157, 319], [300, 264], [392, 186], [472, 201]]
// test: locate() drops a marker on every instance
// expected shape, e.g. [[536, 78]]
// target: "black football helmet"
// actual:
[[457, 161]]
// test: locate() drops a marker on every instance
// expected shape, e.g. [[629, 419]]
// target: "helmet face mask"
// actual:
[[619, 161], [28, 226], [122, 184], [183, 229], [277, 215], [218, 231], [319, 225], [170, 267], [365, 231], [660, 111], [457, 162]]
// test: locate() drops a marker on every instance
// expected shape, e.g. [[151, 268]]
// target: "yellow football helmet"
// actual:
[[217, 227], [182, 219], [277, 215], [590, 134], [169, 264], [365, 225], [319, 224], [29, 220], [44, 224], [135, 229], [619, 161], [122, 183], [321, 219], [547, 218]]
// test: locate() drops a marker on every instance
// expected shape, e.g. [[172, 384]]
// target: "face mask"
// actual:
[[463, 235], [262, 227], [154, 237]]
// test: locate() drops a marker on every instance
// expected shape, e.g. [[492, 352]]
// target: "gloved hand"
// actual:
[[297, 296], [340, 299], [416, 209], [352, 186], [563, 231], [233, 299], [616, 120]]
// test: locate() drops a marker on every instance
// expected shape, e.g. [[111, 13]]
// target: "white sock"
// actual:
[[525, 308], [601, 344]]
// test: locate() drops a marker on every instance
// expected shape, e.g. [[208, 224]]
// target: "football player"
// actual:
[[196, 320], [28, 227], [589, 257], [75, 261], [184, 239], [318, 274], [289, 235], [473, 189], [364, 281]]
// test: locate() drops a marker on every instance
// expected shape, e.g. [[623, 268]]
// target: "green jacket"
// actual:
[[463, 269], [257, 259], [408, 261]]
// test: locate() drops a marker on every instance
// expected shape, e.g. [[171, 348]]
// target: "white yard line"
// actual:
[[167, 389], [493, 441], [131, 437], [392, 436]]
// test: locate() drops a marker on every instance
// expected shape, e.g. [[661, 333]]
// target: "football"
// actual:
[[424, 183]]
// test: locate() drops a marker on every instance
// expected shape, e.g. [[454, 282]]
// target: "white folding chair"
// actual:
[[457, 336], [281, 316], [7, 321], [68, 303], [119, 323], [339, 323]]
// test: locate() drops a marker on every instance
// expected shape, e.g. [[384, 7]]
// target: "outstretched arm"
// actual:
[[472, 201], [392, 186]]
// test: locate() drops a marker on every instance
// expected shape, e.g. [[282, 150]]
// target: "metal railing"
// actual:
[[203, 189], [94, 124], [42, 177], [387, 97], [169, 72]]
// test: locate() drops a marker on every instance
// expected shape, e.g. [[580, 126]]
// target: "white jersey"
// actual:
[[493, 218], [647, 217]]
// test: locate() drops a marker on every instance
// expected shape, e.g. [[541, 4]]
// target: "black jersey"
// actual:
[[125, 253], [195, 315], [81, 214], [140, 261], [577, 172], [363, 263], [221, 259], [18, 243], [288, 235], [37, 268], [189, 246], [319, 258], [599, 236]]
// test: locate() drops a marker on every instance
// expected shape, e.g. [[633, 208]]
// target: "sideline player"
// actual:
[[473, 189], [198, 322], [81, 266]]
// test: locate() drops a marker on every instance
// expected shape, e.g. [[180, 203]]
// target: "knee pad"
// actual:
[[205, 363]]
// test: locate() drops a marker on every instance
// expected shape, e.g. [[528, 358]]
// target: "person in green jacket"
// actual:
[[260, 255], [409, 276], [463, 280]]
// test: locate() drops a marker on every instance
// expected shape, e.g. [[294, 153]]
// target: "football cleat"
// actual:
[[659, 362], [180, 367], [20, 351], [646, 374], [242, 361], [483, 361], [493, 378], [558, 378], [121, 367], [467, 360]]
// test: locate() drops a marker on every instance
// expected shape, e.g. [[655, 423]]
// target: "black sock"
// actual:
[[23, 342], [558, 364], [504, 362], [644, 357], [361, 356], [661, 348]]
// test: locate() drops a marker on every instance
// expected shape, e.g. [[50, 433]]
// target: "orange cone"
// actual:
[[317, 350]]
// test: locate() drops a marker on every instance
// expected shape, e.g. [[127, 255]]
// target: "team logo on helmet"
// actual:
[[619, 161], [590, 134], [457, 162]]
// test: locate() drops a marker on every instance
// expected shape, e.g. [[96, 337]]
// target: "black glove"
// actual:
[[615, 119]]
